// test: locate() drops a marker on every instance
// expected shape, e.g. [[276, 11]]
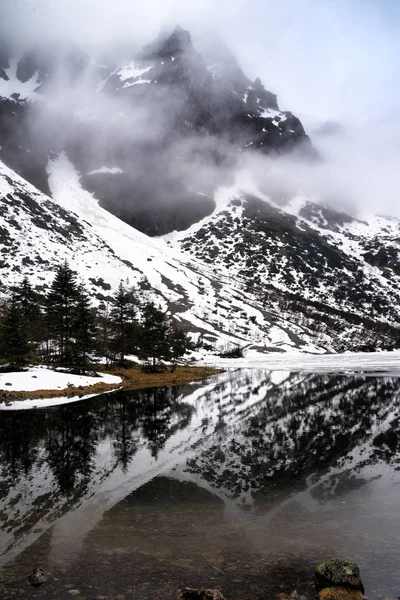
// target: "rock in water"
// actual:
[[37, 577], [192, 594], [338, 579]]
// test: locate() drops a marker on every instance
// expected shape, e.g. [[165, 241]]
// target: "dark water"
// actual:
[[244, 483]]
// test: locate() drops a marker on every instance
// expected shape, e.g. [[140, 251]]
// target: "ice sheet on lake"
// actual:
[[357, 362]]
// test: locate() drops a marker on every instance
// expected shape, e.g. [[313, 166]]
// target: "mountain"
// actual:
[[178, 120], [134, 168], [304, 256], [38, 233]]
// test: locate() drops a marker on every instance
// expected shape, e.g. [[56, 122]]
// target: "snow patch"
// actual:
[[131, 71], [44, 378], [26, 90], [270, 113], [138, 82]]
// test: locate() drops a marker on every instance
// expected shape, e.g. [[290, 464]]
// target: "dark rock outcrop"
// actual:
[[338, 579]]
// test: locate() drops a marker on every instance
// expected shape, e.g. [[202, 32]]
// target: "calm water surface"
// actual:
[[245, 482]]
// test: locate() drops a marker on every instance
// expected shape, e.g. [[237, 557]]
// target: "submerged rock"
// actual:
[[192, 594], [338, 579], [37, 576]]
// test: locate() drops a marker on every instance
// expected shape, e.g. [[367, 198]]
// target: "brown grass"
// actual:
[[340, 593], [132, 379]]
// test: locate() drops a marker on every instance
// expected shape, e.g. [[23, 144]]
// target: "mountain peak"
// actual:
[[180, 31], [171, 45], [178, 42], [181, 37]]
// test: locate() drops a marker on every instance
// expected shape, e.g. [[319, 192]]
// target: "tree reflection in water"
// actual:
[[252, 435]]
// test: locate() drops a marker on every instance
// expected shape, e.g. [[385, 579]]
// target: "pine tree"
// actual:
[[103, 334], [122, 322], [180, 342], [154, 338], [14, 336], [28, 301], [61, 306], [83, 328]]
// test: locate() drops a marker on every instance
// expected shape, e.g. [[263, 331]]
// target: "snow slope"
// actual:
[[38, 233], [216, 278], [204, 300], [316, 264]]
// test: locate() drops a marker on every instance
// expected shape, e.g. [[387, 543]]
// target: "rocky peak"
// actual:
[[176, 44], [221, 61], [263, 97]]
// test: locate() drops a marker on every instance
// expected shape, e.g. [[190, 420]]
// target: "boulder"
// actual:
[[338, 579], [37, 576]]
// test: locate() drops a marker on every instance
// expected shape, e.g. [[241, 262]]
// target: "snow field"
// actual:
[[43, 378]]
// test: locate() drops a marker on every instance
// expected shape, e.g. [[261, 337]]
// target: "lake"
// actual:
[[244, 483]]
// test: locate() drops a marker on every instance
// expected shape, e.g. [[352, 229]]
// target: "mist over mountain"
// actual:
[[152, 138]]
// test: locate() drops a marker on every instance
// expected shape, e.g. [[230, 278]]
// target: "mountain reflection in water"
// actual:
[[244, 482]]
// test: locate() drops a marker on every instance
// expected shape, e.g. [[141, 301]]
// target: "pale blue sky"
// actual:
[[329, 58]]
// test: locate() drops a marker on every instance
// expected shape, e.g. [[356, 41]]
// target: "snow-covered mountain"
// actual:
[[316, 262], [104, 155], [38, 233]]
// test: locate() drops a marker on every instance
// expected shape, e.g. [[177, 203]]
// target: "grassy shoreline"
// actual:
[[132, 379]]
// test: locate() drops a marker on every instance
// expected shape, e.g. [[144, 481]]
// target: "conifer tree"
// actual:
[[122, 322], [103, 334], [154, 338], [14, 336], [83, 328], [180, 343], [27, 300], [61, 306]]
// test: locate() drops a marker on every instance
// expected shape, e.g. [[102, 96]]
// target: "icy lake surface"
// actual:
[[244, 483]]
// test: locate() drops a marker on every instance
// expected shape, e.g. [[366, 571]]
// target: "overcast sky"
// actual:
[[325, 59], [329, 59]]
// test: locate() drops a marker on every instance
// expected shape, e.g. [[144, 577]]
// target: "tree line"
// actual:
[[64, 328]]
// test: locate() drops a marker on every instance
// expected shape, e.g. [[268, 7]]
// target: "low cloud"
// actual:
[[326, 61]]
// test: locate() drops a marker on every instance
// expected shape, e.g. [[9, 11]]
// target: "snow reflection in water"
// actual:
[[244, 482]]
